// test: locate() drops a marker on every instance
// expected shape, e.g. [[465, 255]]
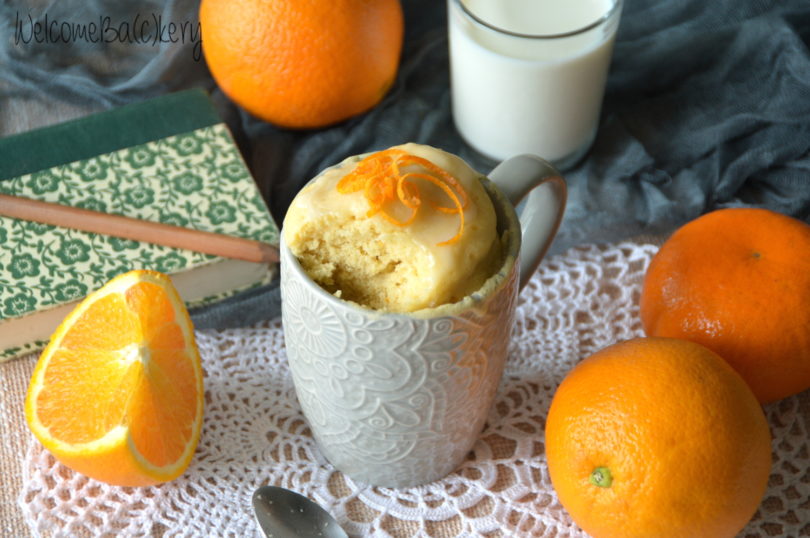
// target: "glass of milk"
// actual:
[[528, 76]]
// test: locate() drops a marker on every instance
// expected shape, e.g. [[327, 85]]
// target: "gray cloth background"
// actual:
[[707, 106]]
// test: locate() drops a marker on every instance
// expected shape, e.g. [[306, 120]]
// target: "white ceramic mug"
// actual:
[[398, 400], [528, 76]]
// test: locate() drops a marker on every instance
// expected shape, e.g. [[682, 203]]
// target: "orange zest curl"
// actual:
[[382, 179]]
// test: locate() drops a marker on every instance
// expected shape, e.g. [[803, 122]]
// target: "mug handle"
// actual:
[[540, 218]]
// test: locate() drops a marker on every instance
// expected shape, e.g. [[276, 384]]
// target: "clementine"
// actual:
[[738, 282], [657, 437], [118, 392], [303, 63]]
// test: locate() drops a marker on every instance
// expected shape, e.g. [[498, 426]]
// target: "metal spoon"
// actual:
[[282, 513]]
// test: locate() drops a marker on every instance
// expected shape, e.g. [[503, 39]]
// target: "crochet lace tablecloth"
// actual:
[[254, 434]]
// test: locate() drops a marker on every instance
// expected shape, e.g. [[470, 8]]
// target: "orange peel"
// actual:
[[383, 179]]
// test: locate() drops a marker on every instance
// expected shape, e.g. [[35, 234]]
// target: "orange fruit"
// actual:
[[738, 282], [117, 394], [657, 437], [303, 63]]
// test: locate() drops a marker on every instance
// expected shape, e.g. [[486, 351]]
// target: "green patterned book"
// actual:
[[170, 159]]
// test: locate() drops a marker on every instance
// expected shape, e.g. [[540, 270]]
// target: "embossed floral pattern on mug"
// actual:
[[393, 399]]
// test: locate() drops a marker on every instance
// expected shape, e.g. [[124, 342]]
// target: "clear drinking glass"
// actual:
[[528, 76]]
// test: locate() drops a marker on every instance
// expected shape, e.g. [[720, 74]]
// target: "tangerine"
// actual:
[[657, 437], [303, 63], [738, 282]]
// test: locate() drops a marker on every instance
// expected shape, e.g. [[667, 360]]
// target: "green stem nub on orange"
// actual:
[[601, 477]]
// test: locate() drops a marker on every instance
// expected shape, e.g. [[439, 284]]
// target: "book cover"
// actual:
[[186, 173]]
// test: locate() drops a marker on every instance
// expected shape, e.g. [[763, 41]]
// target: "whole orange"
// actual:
[[657, 437], [303, 63], [738, 282]]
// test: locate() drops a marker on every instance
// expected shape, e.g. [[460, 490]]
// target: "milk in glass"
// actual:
[[528, 76]]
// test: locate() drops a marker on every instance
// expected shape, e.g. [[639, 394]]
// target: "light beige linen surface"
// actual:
[[14, 377]]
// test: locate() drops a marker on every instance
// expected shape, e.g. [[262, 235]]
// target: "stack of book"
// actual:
[[169, 160]]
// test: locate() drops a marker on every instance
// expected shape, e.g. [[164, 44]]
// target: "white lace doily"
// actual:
[[254, 434]]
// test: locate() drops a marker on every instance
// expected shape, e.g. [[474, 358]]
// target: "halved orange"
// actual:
[[117, 394]]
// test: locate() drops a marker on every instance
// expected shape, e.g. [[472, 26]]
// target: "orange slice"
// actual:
[[118, 393]]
